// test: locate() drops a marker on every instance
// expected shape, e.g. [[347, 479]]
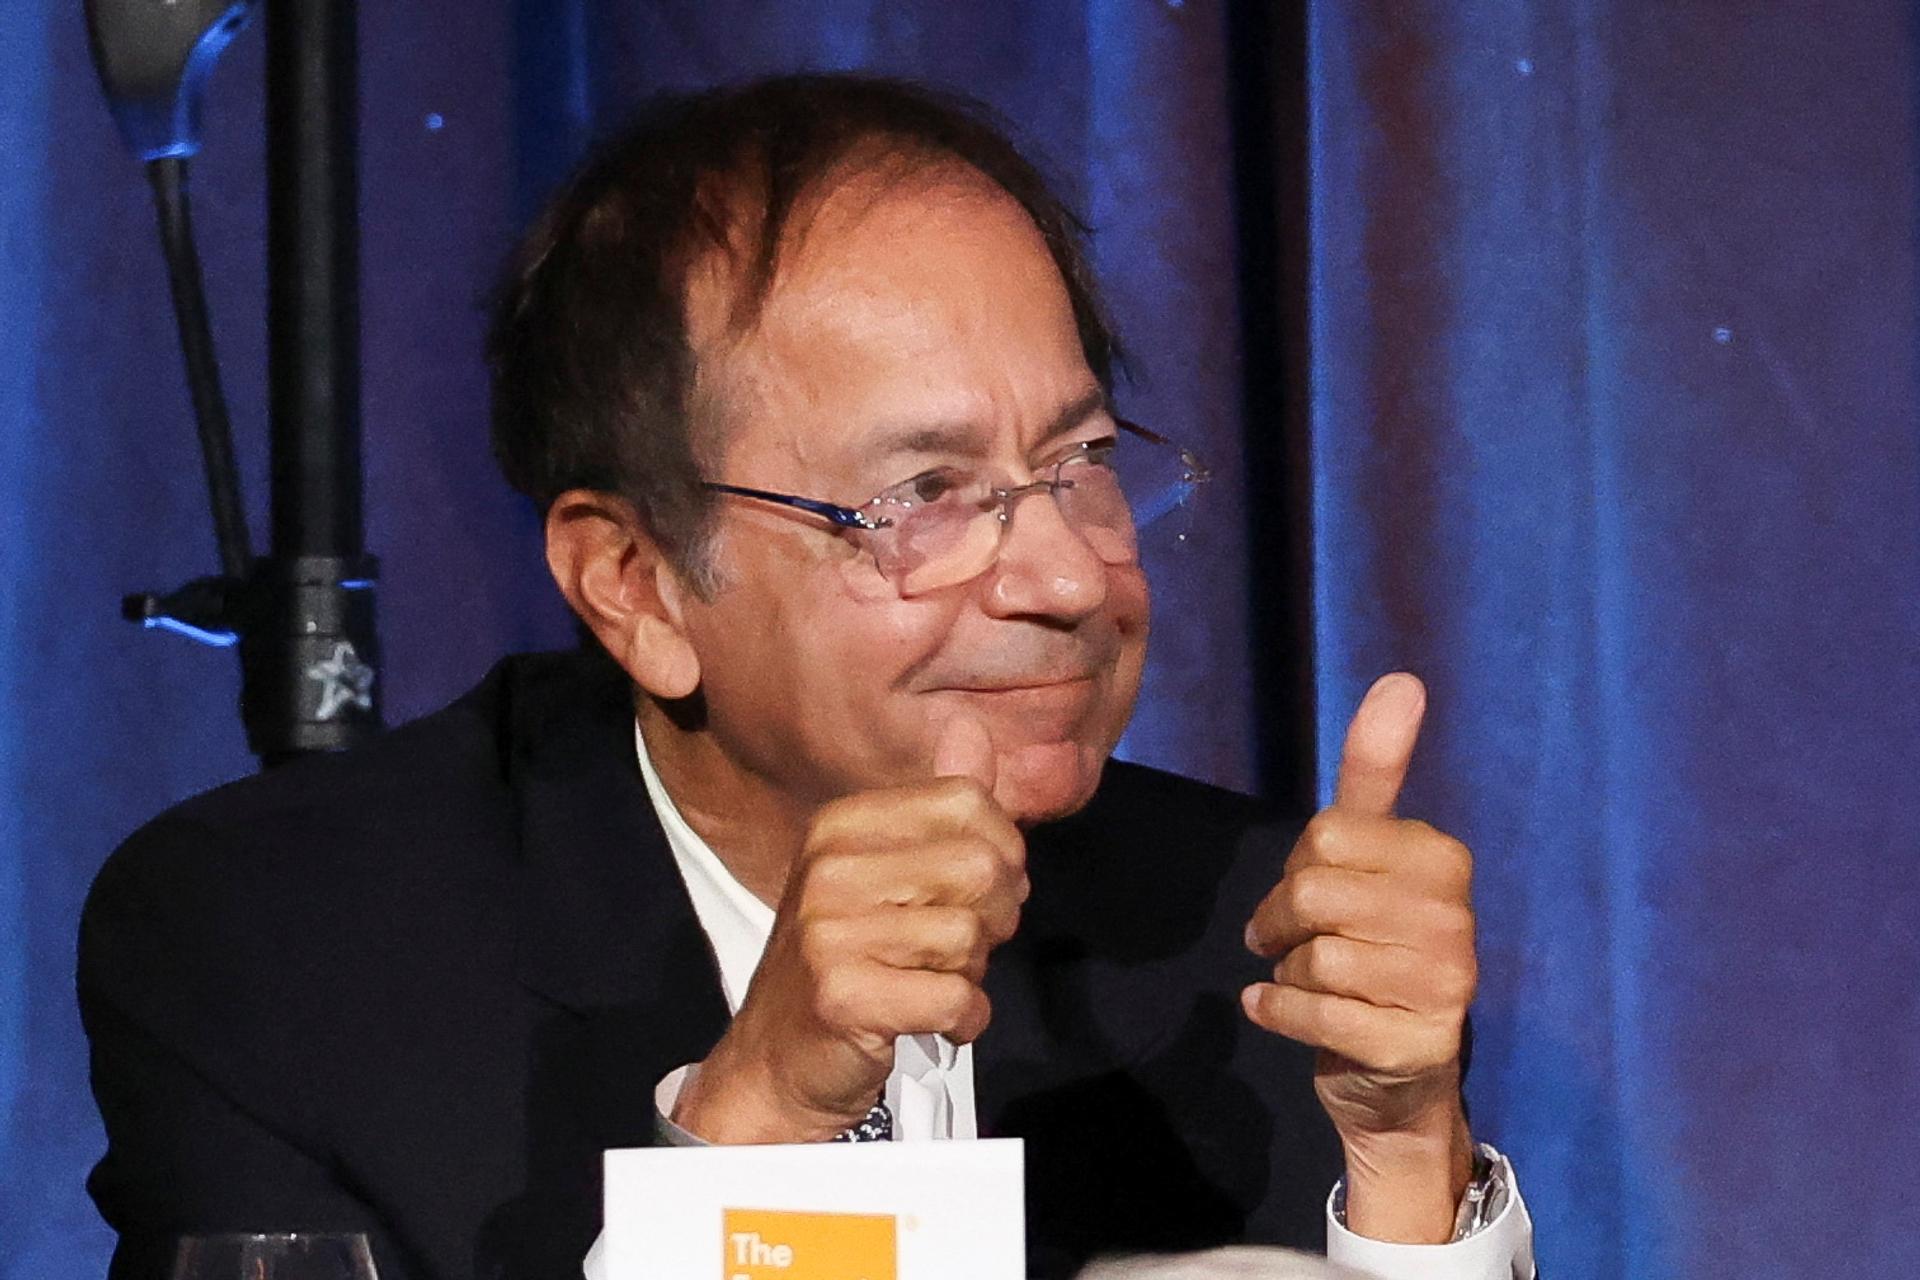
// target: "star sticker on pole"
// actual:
[[344, 681]]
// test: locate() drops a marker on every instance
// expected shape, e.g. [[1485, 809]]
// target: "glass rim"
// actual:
[[273, 1235]]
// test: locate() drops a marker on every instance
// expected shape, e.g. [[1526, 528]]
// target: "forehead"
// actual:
[[898, 299]]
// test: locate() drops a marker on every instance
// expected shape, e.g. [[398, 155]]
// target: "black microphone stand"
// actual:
[[303, 615]]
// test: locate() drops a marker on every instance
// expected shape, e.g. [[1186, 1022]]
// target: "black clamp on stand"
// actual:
[[303, 616], [310, 669], [309, 653]]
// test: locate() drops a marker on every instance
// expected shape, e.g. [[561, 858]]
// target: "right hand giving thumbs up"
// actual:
[[889, 913]]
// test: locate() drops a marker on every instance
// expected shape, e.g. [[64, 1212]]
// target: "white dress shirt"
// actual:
[[931, 1089]]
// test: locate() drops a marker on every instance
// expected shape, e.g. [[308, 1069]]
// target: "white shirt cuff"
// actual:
[[665, 1095], [1500, 1250]]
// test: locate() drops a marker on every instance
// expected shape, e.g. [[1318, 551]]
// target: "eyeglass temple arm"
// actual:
[[845, 517], [1145, 433], [1198, 471]]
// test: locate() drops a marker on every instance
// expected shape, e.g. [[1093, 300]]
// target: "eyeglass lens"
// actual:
[[941, 544]]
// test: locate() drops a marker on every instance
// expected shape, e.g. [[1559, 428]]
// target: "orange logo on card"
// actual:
[[776, 1244]]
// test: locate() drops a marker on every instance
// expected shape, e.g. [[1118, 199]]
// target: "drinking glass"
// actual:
[[291, 1255]]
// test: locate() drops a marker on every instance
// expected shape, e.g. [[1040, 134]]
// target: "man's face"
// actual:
[[913, 325]]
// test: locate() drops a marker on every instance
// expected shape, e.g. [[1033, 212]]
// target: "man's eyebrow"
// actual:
[[1094, 401], [963, 439]]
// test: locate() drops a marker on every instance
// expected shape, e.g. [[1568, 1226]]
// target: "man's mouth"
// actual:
[[1025, 685], [1032, 710]]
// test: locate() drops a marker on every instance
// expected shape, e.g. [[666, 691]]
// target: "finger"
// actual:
[[965, 750], [916, 813], [1379, 746], [1405, 847], [1363, 905], [968, 872], [1392, 1042], [1391, 977], [940, 939], [881, 1000]]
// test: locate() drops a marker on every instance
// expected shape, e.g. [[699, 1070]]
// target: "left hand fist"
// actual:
[[1372, 928]]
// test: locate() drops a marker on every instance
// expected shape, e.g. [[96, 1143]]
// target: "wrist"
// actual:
[[1405, 1185], [726, 1102]]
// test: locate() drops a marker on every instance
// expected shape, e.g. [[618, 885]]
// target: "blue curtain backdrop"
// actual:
[[1605, 333], [1614, 438]]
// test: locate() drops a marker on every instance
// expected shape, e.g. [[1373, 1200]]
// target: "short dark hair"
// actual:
[[591, 363]]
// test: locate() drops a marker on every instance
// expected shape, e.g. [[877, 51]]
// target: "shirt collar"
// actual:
[[737, 924]]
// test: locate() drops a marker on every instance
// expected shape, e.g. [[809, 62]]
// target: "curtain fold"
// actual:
[[1614, 440]]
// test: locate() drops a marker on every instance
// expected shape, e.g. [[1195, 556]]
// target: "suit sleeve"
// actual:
[[197, 1141]]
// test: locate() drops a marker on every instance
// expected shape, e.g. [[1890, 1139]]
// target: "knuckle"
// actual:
[[1439, 1045], [1398, 1059], [1444, 854], [820, 942], [1308, 895], [1295, 893], [966, 933], [1452, 923], [1298, 966], [832, 818], [975, 1013], [1399, 1048], [1321, 839], [954, 999], [1446, 984], [1001, 924], [835, 1000], [976, 868], [825, 874], [1451, 857], [1324, 962], [1459, 981]]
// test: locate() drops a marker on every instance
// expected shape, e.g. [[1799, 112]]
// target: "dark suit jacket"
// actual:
[[417, 989]]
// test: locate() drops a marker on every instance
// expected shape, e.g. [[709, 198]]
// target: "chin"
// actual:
[[1044, 781]]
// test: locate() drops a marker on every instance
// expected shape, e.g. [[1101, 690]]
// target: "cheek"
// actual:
[[1127, 595], [1130, 607], [1128, 603], [805, 674]]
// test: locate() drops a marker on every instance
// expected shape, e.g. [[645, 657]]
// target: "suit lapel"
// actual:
[[606, 929], [1041, 1034]]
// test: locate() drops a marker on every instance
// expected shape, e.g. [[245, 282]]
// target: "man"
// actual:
[[811, 382]]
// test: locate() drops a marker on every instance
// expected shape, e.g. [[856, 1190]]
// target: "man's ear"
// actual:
[[623, 586]]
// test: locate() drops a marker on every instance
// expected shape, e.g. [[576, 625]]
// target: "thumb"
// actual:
[[965, 750], [1373, 764]]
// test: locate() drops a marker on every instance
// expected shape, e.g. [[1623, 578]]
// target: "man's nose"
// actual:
[[1046, 569]]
